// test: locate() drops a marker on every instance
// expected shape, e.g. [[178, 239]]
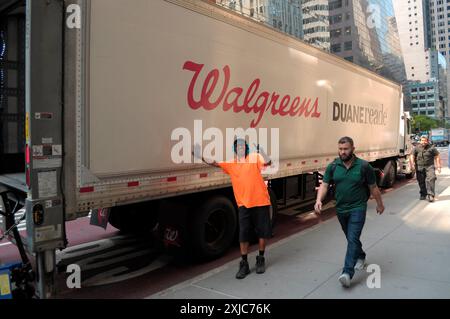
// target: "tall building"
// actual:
[[426, 68], [316, 25], [283, 15], [414, 33], [365, 32], [439, 19]]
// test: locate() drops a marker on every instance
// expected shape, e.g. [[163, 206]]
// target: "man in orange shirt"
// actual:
[[252, 198]]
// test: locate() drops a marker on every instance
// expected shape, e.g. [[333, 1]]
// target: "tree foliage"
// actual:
[[421, 123]]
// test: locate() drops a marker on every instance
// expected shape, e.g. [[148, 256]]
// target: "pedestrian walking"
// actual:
[[252, 198], [354, 181], [426, 160]]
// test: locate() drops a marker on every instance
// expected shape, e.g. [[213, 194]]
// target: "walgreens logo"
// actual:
[[253, 100]]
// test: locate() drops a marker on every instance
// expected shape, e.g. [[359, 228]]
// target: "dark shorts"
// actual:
[[257, 218]]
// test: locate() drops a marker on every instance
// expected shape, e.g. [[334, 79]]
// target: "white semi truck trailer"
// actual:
[[110, 87]]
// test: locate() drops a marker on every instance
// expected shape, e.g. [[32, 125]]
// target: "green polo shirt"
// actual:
[[350, 191]]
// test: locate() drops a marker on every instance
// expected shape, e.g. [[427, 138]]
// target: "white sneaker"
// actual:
[[360, 263], [344, 279]]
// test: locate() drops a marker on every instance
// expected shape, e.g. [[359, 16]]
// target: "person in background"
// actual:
[[426, 160]]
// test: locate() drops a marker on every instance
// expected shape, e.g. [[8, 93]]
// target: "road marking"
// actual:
[[113, 276]]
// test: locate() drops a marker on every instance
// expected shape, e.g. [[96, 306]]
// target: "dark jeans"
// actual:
[[352, 224], [427, 179]]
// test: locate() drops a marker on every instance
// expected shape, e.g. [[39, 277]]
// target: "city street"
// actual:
[[148, 147], [409, 243]]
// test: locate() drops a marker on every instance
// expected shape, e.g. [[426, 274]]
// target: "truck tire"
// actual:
[[390, 173], [213, 227], [139, 218]]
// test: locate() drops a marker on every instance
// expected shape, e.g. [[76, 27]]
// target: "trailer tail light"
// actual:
[[27, 165], [27, 177], [133, 184], [87, 189], [172, 179], [27, 154]]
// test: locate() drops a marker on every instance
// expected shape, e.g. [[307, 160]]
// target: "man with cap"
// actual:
[[425, 158], [252, 198]]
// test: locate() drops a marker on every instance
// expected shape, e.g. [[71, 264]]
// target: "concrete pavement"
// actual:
[[409, 244]]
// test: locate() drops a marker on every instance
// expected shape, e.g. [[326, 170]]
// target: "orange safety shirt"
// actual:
[[248, 185]]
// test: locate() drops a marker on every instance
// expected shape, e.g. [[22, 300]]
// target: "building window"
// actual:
[[336, 48], [431, 104], [348, 31], [348, 46], [349, 58], [335, 33], [336, 19]]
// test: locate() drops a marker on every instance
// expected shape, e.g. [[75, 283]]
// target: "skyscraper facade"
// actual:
[[439, 20], [426, 68], [283, 15], [316, 25], [365, 32]]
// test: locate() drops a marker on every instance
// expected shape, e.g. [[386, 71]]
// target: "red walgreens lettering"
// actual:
[[229, 99]]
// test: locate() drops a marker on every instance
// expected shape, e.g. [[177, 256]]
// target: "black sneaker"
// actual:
[[430, 198], [423, 197], [260, 265], [244, 270]]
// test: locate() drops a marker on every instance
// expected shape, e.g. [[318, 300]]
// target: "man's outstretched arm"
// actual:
[[197, 152], [267, 159]]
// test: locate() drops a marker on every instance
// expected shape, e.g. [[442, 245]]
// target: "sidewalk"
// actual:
[[410, 242]]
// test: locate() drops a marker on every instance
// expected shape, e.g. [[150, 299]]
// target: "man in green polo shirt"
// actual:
[[351, 202]]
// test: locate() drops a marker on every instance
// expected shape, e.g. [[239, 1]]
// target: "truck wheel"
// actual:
[[390, 173], [139, 218], [213, 227]]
